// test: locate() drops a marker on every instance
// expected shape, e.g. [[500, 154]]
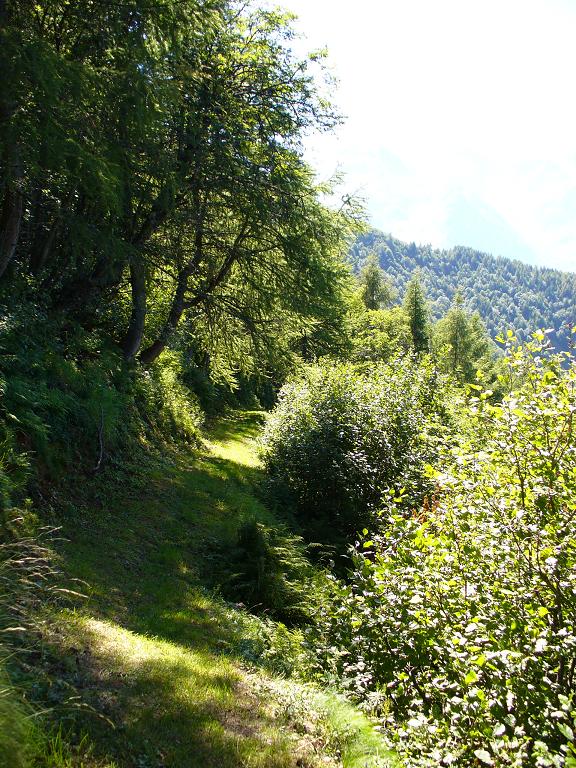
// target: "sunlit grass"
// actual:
[[181, 706], [152, 651], [235, 439]]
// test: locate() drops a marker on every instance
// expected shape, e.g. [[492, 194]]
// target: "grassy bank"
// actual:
[[148, 670]]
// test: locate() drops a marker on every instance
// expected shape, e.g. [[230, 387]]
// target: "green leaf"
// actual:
[[566, 731], [471, 677]]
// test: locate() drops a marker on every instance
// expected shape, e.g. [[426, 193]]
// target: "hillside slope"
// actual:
[[506, 293], [151, 670]]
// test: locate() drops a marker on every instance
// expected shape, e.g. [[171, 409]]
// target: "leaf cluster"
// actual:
[[342, 436]]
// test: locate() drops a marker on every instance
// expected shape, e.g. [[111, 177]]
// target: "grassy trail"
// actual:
[[145, 667]]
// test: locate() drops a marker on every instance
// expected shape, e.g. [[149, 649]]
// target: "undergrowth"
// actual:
[[29, 584], [69, 404]]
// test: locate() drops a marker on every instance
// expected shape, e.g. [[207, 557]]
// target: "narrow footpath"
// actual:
[[147, 671]]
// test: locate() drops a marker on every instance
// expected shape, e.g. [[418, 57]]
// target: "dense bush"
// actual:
[[343, 436], [459, 622]]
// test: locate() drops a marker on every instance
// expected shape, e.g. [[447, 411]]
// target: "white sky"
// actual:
[[461, 119]]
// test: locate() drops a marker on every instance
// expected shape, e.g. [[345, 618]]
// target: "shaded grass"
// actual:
[[150, 656], [170, 705], [17, 738]]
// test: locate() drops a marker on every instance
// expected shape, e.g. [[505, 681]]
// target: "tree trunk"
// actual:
[[12, 204], [10, 221], [150, 354], [179, 303], [133, 338], [158, 214], [179, 300], [41, 248]]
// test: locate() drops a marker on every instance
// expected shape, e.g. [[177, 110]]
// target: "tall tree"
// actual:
[[462, 342], [160, 166], [416, 307], [375, 288]]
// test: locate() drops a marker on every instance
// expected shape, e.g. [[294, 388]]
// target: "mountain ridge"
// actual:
[[507, 293]]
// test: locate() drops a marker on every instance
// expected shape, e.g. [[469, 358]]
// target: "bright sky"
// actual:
[[461, 119]]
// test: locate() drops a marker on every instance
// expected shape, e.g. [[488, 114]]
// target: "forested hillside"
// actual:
[[506, 293]]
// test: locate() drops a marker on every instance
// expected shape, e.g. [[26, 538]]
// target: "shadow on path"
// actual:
[[146, 651]]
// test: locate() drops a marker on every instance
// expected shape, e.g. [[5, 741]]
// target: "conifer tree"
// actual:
[[463, 340], [416, 307], [375, 288]]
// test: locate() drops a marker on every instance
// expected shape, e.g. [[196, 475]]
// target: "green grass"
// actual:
[[17, 738], [144, 670]]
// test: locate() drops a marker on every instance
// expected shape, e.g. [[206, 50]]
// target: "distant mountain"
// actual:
[[506, 293]]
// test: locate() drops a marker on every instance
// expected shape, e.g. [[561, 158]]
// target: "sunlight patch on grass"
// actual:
[[153, 655], [235, 439], [192, 708]]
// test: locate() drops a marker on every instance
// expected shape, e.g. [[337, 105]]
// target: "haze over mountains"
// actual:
[[507, 293]]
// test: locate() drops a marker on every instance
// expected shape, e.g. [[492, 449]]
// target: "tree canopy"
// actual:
[[152, 170]]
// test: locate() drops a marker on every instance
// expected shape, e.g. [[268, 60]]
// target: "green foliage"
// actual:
[[379, 334], [17, 734], [270, 573], [70, 402], [375, 289], [62, 390], [168, 404], [458, 623], [343, 436], [152, 177], [506, 293]]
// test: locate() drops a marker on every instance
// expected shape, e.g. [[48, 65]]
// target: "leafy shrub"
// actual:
[[459, 622], [342, 436], [274, 646]]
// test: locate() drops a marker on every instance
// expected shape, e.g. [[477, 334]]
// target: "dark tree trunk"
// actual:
[[150, 354], [133, 338], [179, 302], [12, 203], [41, 248], [10, 221], [157, 216]]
